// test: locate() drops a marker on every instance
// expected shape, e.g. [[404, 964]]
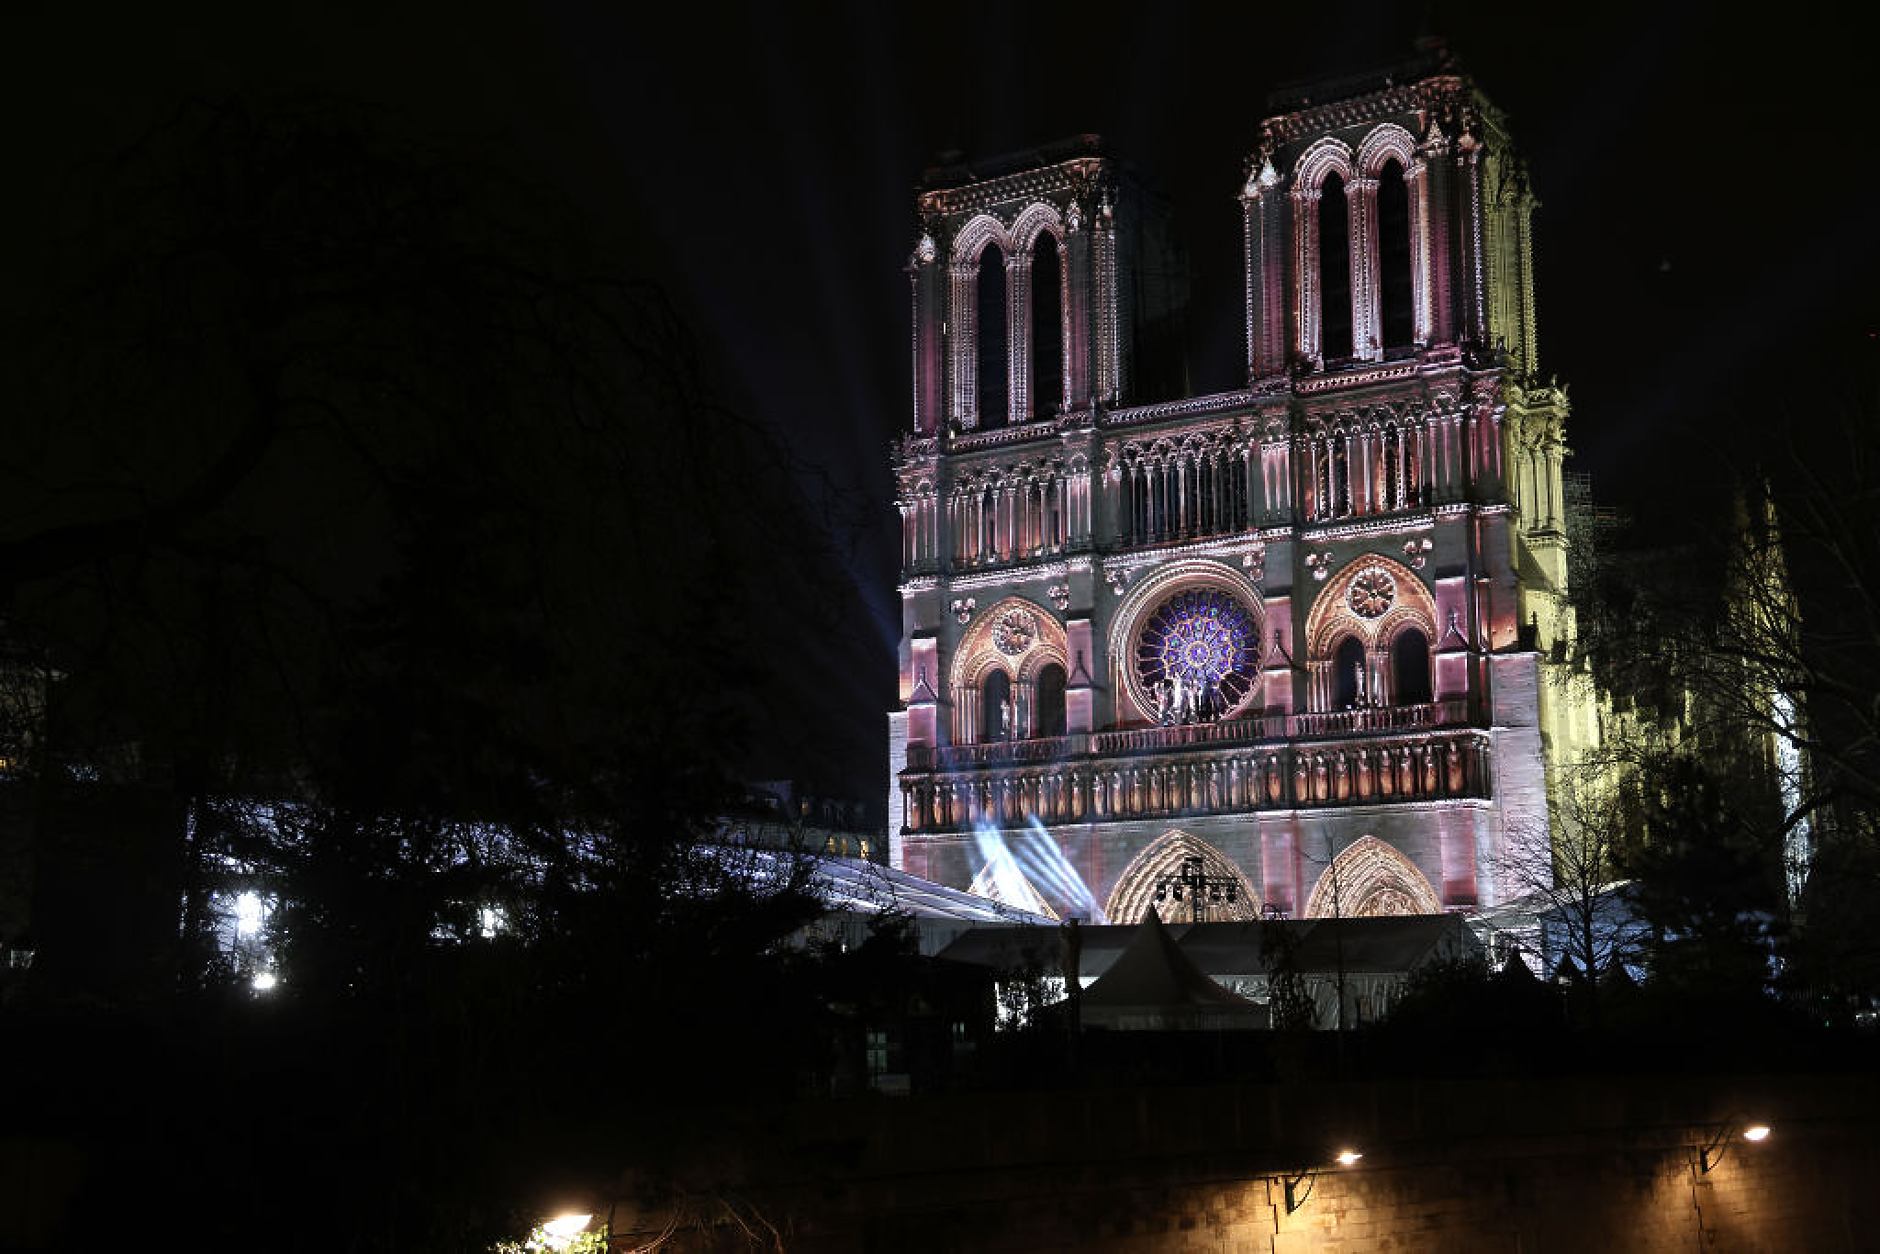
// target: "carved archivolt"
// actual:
[[1015, 635], [1373, 598], [1384, 143], [972, 239], [1037, 217], [1370, 879], [1162, 859], [1328, 156]]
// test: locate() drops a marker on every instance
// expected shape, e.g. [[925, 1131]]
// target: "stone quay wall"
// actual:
[[1464, 1166]]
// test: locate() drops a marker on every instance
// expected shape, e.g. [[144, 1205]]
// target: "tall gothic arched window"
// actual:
[[992, 332], [1347, 673], [1393, 254], [1334, 270], [1048, 720], [1047, 327], [1410, 668], [995, 707]]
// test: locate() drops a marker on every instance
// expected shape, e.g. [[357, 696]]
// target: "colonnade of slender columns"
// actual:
[[1011, 519], [1185, 493], [1370, 471], [1278, 778]]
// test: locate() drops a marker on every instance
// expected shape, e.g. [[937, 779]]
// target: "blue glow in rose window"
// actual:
[[1207, 640]]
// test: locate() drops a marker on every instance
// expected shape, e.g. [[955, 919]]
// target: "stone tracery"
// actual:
[[1369, 879], [1368, 604], [1019, 639], [1199, 605], [1130, 900]]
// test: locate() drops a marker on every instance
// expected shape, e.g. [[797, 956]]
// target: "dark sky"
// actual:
[[1706, 190]]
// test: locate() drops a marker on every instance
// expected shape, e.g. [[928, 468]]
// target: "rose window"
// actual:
[[1204, 643], [1371, 594], [1013, 632]]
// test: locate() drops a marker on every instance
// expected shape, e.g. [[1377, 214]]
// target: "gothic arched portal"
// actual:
[[1162, 859], [1369, 880]]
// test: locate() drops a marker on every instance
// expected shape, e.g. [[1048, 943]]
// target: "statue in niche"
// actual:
[[1008, 727], [1452, 761], [1164, 711]]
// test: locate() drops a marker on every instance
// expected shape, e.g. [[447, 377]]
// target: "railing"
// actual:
[[1390, 754], [1227, 732], [996, 752], [1237, 731], [1094, 788], [1379, 718]]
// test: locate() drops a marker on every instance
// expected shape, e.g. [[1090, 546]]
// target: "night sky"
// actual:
[[1706, 194]]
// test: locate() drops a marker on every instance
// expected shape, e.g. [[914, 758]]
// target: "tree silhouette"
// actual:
[[388, 551]]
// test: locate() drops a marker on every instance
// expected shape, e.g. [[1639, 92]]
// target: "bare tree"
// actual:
[[1568, 874]]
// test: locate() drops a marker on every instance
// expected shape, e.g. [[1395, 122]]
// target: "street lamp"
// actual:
[[1202, 888], [1712, 1154], [1296, 1196]]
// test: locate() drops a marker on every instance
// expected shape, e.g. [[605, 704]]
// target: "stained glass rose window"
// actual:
[[1205, 642]]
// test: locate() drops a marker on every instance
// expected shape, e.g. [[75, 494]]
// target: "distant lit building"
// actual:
[[1300, 629]]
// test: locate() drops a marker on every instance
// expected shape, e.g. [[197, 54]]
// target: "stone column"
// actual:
[[1367, 328]]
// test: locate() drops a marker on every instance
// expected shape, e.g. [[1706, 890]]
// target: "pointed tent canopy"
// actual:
[[1153, 984]]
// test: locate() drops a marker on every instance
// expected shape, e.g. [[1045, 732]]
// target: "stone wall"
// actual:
[[1465, 1166]]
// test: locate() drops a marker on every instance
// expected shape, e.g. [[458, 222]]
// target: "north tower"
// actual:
[[1295, 630]]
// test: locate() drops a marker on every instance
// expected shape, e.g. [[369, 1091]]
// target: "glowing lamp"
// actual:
[[1712, 1154], [559, 1233], [1299, 1186], [264, 981]]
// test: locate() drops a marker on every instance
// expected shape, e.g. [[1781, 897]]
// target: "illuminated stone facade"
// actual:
[[1287, 628]]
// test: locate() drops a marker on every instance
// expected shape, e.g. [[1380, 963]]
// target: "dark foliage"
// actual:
[[386, 555]]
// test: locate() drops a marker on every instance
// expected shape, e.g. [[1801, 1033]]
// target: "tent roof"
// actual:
[[1385, 945], [1153, 971]]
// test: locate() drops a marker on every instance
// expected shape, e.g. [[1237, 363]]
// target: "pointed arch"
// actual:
[[1162, 858], [1016, 637], [1046, 329], [1332, 614], [1371, 600], [1327, 156], [1325, 159], [1037, 217], [971, 240], [1370, 879], [1385, 142]]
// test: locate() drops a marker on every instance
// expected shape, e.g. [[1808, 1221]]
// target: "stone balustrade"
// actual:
[[1228, 767]]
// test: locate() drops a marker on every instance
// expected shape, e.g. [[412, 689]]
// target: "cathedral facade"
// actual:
[[1293, 631]]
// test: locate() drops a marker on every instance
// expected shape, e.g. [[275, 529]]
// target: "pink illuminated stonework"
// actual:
[[1294, 630]]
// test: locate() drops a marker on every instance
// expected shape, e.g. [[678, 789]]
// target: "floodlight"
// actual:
[[559, 1233]]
